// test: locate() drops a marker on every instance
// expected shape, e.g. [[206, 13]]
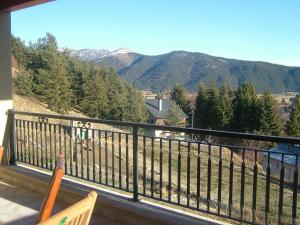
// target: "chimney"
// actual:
[[160, 104]]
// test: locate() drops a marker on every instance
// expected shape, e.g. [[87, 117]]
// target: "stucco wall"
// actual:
[[5, 73]]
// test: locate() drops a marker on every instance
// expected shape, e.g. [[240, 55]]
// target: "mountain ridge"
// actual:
[[161, 72]]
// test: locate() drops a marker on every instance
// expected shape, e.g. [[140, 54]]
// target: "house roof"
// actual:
[[152, 106], [290, 151], [13, 5]]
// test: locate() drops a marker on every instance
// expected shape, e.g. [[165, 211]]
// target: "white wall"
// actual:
[[5, 74]]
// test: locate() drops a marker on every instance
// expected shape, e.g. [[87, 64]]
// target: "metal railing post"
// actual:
[[135, 164], [12, 159]]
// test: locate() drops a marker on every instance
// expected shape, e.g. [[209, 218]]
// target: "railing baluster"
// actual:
[[75, 156], [94, 157], [50, 150], [65, 149], [25, 141], [113, 157], [160, 169], [188, 175], [41, 139], [60, 141], [81, 153], [71, 149], [230, 182], [21, 141], [208, 178], [267, 197], [37, 144], [106, 159], [87, 154], [120, 160], [17, 140], [32, 144], [198, 176], [127, 163], [55, 143], [295, 191], [135, 164], [179, 173], [100, 156], [254, 189], [220, 180], [28, 142], [152, 166], [46, 148], [281, 187], [170, 171], [242, 185], [144, 165]]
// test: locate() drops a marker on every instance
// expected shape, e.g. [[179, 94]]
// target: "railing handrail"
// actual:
[[218, 133]]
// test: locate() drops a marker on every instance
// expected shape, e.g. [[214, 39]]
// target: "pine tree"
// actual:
[[178, 94], [270, 119], [246, 109], [225, 105], [18, 50], [213, 109], [201, 107], [174, 116], [54, 85], [135, 108], [95, 101], [293, 126], [24, 83]]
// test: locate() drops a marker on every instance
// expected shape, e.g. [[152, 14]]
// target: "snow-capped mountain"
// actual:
[[90, 54], [94, 55]]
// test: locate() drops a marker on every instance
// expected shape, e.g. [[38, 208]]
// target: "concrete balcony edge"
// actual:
[[109, 204]]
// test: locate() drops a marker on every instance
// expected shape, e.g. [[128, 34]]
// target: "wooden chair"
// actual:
[[78, 214], [49, 200], [1, 153]]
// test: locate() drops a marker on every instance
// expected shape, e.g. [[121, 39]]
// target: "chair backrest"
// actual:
[[49, 200], [78, 214], [1, 153]]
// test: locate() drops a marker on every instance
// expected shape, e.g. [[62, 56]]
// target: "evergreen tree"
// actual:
[[293, 126], [201, 107], [18, 50], [95, 101], [246, 109], [54, 85], [178, 94], [135, 108], [270, 119], [225, 106], [80, 71], [174, 116], [213, 109], [24, 83]]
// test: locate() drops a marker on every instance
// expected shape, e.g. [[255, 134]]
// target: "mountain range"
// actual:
[[164, 71]]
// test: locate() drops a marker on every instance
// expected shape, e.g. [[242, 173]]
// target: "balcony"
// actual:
[[229, 177]]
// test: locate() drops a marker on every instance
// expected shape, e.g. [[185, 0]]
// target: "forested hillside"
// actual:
[[63, 82], [190, 68]]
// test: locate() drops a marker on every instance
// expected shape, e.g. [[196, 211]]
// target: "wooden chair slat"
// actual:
[[1, 153], [77, 214], [48, 203]]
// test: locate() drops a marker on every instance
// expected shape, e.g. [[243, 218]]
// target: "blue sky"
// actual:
[[266, 30]]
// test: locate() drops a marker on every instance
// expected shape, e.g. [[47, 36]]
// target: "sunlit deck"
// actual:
[[19, 206]]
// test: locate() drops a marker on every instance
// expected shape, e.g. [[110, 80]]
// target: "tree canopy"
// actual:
[[63, 81]]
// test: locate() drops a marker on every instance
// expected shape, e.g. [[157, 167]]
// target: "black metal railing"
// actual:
[[233, 175]]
